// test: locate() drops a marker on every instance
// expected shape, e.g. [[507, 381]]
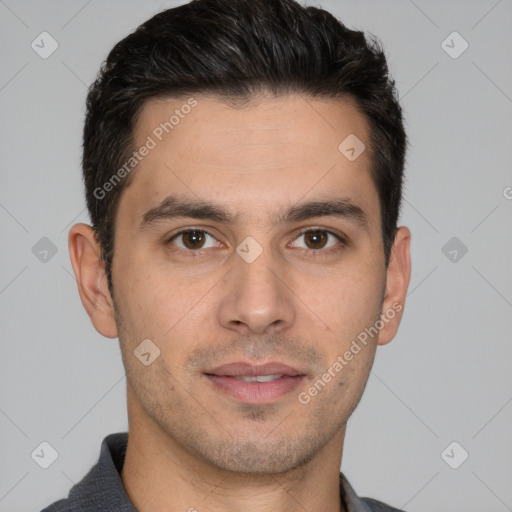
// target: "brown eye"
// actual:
[[319, 241], [316, 239], [193, 239]]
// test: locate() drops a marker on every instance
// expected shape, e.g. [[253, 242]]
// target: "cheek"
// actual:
[[356, 313], [144, 301], [171, 311], [353, 300]]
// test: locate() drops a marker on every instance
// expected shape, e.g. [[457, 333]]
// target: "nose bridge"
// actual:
[[260, 273], [256, 297]]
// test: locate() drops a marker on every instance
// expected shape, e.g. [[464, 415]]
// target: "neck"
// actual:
[[160, 475]]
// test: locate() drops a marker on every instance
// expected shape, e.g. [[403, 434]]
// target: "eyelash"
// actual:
[[309, 252]]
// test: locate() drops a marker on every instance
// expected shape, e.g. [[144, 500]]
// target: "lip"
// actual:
[[224, 379], [241, 368]]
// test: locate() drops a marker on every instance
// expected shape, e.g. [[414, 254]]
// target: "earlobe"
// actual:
[[89, 270], [397, 282]]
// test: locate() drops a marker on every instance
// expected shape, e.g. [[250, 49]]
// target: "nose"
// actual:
[[257, 297]]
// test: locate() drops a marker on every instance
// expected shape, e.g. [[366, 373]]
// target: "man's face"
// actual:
[[259, 287]]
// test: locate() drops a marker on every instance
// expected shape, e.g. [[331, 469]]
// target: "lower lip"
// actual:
[[256, 392]]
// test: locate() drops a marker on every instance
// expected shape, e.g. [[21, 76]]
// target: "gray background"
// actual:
[[446, 377]]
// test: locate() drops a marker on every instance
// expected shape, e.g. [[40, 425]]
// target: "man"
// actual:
[[243, 165]]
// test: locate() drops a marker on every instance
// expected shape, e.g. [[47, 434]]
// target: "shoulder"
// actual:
[[356, 504], [101, 488], [58, 506], [378, 506]]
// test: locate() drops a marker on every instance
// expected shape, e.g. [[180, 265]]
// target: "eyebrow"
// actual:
[[178, 207]]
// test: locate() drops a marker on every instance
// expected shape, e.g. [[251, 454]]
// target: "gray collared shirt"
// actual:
[[102, 488]]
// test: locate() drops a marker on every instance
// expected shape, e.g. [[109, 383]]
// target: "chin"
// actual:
[[258, 457]]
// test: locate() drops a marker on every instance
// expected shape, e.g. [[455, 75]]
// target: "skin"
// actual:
[[301, 302]]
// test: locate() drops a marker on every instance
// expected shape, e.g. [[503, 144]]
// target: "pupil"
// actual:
[[318, 239]]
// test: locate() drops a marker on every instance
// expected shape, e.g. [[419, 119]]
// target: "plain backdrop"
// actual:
[[445, 378]]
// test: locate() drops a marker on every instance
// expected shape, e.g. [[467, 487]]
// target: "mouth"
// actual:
[[255, 384]]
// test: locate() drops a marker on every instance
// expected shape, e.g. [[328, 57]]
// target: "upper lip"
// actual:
[[241, 368]]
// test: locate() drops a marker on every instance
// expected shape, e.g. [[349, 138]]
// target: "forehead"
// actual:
[[254, 157], [306, 124]]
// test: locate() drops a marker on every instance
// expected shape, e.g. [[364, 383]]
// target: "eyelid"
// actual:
[[322, 251], [183, 231], [339, 236]]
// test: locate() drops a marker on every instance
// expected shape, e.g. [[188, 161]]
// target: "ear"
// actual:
[[397, 281], [89, 268]]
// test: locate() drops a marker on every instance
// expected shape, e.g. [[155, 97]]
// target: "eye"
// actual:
[[316, 239], [194, 240]]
